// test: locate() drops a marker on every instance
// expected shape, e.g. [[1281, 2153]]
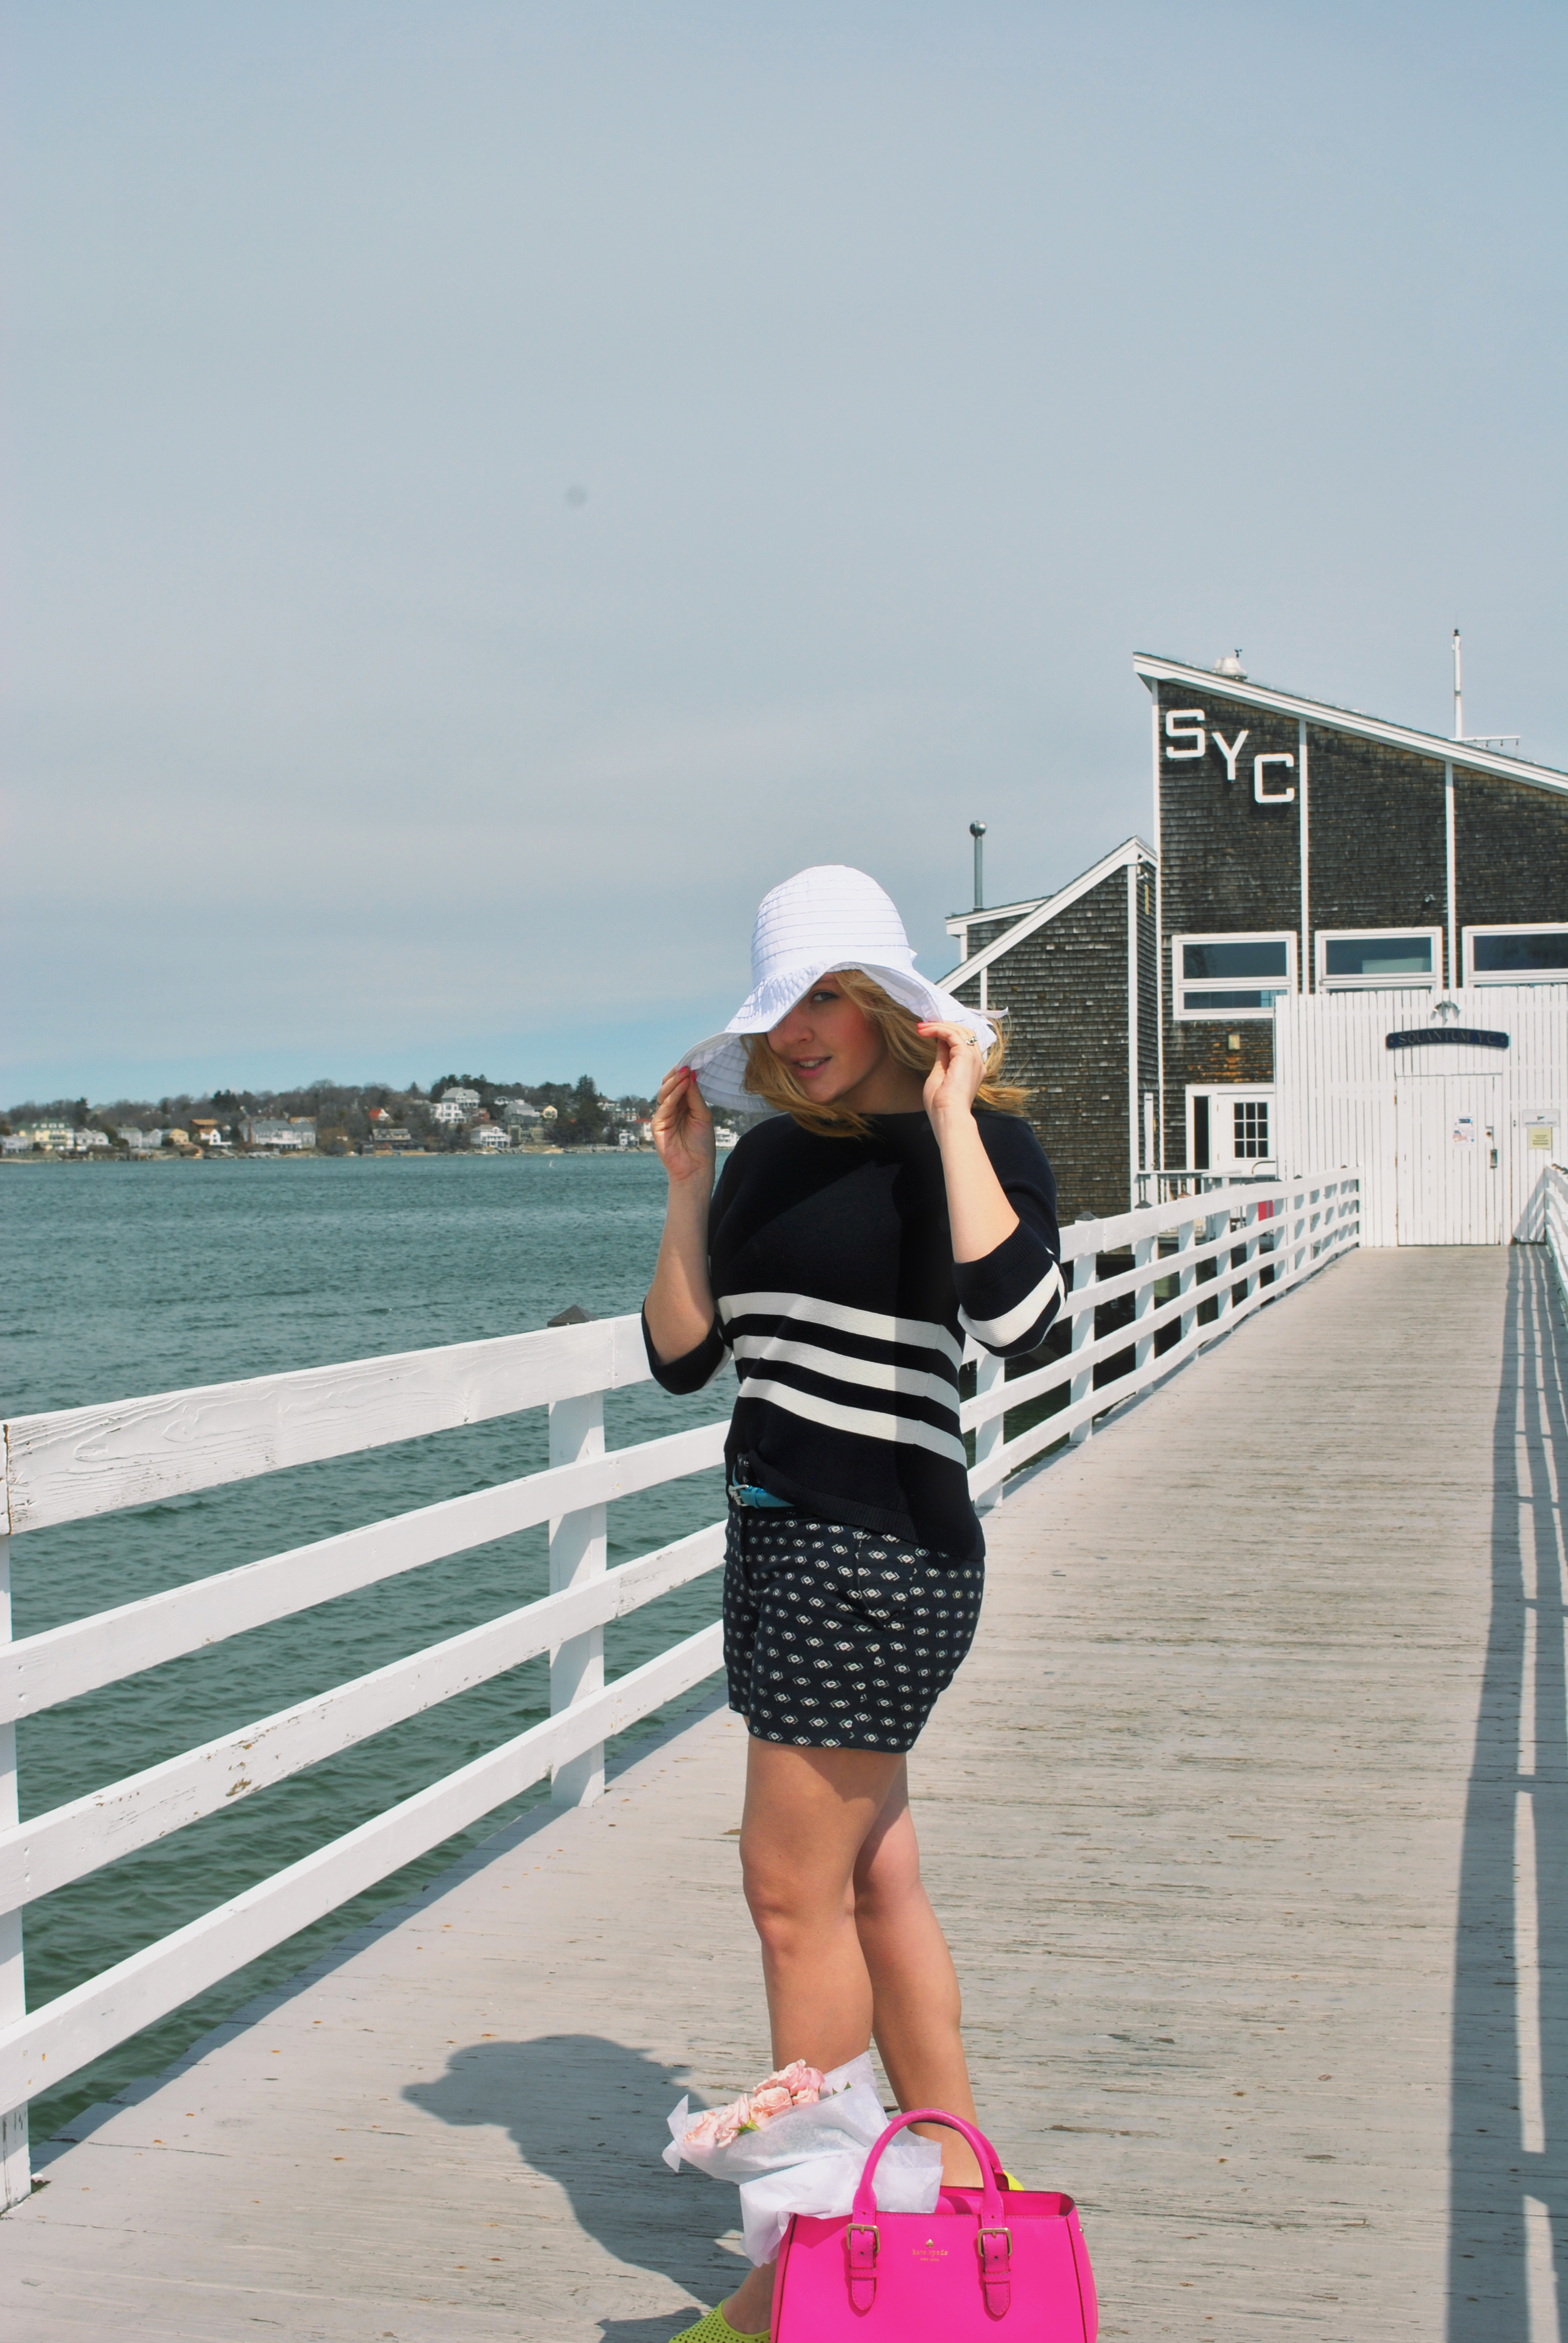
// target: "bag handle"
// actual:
[[865, 2207]]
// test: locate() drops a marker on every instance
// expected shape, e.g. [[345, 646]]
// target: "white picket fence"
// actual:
[[90, 1461]]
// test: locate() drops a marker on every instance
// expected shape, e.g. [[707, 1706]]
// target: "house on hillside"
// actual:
[[296, 1130], [456, 1105]]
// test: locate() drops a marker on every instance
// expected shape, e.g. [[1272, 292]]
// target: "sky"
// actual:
[[486, 490]]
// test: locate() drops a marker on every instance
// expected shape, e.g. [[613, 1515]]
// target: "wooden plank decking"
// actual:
[[1222, 1816]]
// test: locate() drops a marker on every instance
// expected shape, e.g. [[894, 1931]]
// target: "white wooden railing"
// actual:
[[1165, 1187], [1555, 1224], [90, 1461]]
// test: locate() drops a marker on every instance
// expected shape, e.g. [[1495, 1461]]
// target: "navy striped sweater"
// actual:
[[841, 1307]]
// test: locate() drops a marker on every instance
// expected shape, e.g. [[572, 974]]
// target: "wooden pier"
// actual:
[[1223, 1815]]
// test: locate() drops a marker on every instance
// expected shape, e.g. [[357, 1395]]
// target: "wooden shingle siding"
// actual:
[[1510, 851], [981, 933], [1065, 988], [1377, 850], [1228, 863], [1148, 1000]]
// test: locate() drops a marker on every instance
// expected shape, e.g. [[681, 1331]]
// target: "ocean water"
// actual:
[[125, 1278]]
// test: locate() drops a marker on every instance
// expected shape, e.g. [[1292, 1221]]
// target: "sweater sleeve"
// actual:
[[1008, 1297], [696, 1368], [701, 1367]]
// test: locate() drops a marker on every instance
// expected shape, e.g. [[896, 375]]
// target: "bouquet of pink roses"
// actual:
[[794, 2086], [797, 2144]]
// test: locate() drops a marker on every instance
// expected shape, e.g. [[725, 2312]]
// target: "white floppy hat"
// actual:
[[826, 918]]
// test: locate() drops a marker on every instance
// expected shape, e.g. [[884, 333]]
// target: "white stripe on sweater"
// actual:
[[876, 1375], [920, 1334], [870, 1423], [996, 1332]]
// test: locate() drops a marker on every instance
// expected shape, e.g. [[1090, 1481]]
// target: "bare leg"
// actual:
[[917, 2011], [808, 1813], [822, 1830]]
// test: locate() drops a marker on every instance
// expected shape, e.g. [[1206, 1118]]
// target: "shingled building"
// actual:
[[1300, 849], [1073, 977], [1306, 850]]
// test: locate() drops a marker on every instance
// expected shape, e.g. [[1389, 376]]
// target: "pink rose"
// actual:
[[771, 2100], [717, 2126], [804, 2084]]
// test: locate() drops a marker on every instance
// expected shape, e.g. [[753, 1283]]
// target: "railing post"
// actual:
[[990, 1372], [1252, 1238], [1186, 1272], [1224, 1267], [1145, 1262], [16, 2170], [1295, 1224], [1085, 1270], [579, 1550]]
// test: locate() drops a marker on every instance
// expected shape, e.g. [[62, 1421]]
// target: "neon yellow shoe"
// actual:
[[716, 2328]]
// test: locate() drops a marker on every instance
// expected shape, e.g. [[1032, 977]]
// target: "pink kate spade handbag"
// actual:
[[1008, 2264]]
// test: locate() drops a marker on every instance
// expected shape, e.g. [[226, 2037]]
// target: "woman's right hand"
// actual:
[[683, 1127]]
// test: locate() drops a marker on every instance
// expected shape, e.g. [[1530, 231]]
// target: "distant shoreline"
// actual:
[[100, 1157]]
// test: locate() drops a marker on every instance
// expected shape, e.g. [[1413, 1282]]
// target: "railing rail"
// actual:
[[1188, 1180], [1229, 1251]]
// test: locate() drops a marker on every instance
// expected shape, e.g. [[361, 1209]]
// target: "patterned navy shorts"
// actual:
[[840, 1638]]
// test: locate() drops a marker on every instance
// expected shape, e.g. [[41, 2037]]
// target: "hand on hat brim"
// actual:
[[959, 1070], [683, 1127]]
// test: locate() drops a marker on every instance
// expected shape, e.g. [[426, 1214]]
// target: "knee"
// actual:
[[889, 1881], [786, 1905]]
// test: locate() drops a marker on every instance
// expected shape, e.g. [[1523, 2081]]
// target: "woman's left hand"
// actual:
[[959, 1070]]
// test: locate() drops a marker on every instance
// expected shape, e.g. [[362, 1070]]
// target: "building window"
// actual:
[[1232, 976], [1522, 955], [1251, 1120], [1364, 958]]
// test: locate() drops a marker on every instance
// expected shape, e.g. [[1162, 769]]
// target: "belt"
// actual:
[[740, 1494]]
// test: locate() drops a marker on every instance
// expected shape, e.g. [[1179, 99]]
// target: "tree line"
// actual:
[[584, 1116]]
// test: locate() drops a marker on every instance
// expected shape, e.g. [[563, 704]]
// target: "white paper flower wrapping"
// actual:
[[810, 2160]]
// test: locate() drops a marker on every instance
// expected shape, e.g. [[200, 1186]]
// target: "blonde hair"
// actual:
[[769, 1077]]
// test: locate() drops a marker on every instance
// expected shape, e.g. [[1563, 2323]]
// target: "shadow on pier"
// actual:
[[564, 2093], [1508, 2225]]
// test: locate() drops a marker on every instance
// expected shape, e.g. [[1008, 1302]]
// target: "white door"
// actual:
[[1450, 1178], [1231, 1130]]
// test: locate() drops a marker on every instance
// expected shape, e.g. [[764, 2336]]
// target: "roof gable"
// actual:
[[1348, 719], [1131, 850]]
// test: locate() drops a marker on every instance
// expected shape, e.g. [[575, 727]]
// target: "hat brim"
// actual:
[[719, 1063]]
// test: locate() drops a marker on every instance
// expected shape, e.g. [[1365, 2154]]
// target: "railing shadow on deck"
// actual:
[[1508, 2218], [576, 2106]]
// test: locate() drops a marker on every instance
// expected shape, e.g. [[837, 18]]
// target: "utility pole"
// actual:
[[977, 831]]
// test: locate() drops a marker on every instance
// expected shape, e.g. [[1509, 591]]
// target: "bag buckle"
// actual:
[[862, 2243], [993, 2248]]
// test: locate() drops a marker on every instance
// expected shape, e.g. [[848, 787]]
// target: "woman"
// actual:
[[853, 1238]]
